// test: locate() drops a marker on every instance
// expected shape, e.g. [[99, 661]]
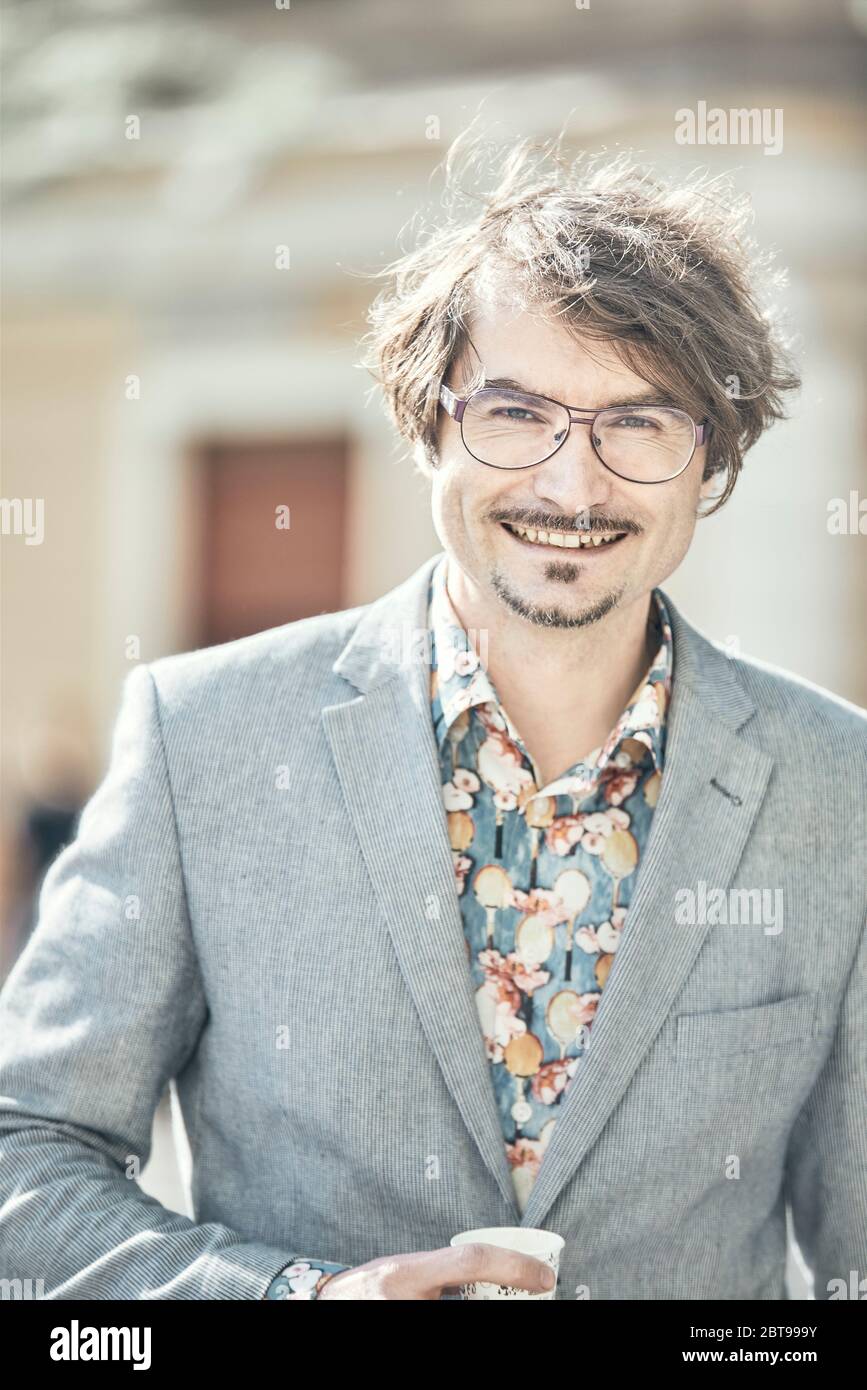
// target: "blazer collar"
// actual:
[[390, 639]]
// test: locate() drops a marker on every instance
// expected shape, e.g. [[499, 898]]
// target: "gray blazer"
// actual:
[[260, 906]]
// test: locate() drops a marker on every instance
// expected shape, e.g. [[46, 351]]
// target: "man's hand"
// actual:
[[432, 1272]]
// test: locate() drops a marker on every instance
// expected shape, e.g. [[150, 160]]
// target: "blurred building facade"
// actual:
[[195, 196]]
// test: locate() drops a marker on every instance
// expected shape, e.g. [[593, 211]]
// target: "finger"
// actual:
[[493, 1264]]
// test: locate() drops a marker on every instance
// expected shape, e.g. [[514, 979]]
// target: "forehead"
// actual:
[[546, 356]]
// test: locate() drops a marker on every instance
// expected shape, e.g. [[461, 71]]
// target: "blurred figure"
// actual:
[[54, 783]]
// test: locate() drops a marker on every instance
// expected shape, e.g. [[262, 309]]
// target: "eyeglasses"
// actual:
[[513, 429]]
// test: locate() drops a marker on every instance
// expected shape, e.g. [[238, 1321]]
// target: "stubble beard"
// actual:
[[554, 617]]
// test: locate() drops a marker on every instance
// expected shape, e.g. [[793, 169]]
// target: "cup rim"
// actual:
[[487, 1235]]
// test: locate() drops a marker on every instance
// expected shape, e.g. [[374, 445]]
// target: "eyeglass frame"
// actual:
[[455, 406]]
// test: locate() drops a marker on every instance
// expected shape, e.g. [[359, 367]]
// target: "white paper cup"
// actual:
[[529, 1240]]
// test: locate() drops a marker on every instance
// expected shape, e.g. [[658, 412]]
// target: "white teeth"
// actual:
[[568, 540]]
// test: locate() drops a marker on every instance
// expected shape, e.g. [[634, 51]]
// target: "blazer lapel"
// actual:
[[386, 758], [699, 831]]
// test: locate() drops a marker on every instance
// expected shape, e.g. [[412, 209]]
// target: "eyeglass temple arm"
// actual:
[[456, 407]]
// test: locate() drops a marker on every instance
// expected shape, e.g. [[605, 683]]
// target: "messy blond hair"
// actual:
[[665, 270]]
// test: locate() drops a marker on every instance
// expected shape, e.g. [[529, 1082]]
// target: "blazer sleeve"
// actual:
[[103, 1007], [826, 1170]]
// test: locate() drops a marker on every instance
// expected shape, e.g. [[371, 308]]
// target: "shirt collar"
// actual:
[[459, 681]]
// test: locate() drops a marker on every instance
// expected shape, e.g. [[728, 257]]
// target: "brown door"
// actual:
[[273, 520]]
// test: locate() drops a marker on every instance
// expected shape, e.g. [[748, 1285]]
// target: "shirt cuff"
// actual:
[[303, 1278]]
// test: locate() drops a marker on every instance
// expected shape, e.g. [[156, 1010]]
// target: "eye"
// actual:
[[514, 412], [637, 422]]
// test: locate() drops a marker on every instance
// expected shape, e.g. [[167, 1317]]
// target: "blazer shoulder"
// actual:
[[799, 704], [278, 662]]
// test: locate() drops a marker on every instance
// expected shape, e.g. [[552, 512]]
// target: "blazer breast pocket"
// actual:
[[787, 1023]]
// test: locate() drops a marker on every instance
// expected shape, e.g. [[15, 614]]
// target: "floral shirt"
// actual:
[[545, 874]]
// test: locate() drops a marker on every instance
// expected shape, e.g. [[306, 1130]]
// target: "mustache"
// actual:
[[584, 524]]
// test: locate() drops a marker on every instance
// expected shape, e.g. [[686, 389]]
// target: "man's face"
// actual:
[[570, 492]]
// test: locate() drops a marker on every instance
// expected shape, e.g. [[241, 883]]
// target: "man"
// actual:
[[505, 900]]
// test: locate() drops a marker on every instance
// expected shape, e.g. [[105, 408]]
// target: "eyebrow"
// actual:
[[648, 397]]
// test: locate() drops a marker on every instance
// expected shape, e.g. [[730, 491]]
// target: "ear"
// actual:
[[710, 490], [424, 459], [713, 487]]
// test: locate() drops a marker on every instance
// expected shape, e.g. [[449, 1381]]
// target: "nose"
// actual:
[[573, 479]]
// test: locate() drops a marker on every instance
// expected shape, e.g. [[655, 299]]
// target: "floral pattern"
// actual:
[[544, 874], [303, 1279]]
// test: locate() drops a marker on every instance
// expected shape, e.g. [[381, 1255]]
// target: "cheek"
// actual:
[[453, 504], [463, 494], [670, 523], [677, 536], [676, 526]]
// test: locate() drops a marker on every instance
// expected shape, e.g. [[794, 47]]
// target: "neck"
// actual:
[[563, 688]]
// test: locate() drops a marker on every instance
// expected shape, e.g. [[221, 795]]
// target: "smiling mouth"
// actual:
[[564, 540]]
